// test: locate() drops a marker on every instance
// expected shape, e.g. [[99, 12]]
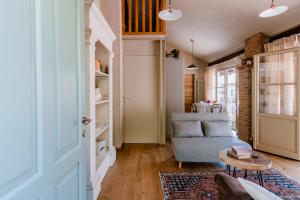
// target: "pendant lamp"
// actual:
[[273, 10], [170, 14], [192, 66]]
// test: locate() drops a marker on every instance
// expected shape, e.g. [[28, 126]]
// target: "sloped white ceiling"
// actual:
[[220, 27]]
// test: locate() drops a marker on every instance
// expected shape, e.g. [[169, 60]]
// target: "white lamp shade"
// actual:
[[277, 10], [170, 15]]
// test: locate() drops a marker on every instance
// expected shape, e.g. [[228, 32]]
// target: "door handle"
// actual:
[[85, 120]]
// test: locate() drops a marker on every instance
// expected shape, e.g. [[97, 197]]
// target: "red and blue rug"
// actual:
[[201, 185]]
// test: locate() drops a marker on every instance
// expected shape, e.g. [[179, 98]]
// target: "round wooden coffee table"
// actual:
[[259, 164]]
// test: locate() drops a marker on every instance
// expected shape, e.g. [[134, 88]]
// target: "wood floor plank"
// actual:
[[135, 174]]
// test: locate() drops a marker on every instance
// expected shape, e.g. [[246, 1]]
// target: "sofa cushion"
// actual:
[[185, 129], [217, 129], [181, 116], [203, 149]]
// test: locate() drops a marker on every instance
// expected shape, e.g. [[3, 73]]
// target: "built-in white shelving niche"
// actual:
[[99, 38]]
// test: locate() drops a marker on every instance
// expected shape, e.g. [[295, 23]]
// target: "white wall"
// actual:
[[174, 89], [199, 73]]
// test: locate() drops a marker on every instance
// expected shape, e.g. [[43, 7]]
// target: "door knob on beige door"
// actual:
[[85, 120]]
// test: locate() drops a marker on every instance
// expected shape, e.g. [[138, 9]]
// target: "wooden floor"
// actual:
[[135, 174]]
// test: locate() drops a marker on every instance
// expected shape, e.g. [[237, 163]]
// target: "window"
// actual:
[[226, 92]]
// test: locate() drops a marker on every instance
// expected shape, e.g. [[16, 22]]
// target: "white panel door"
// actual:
[[140, 89], [41, 146]]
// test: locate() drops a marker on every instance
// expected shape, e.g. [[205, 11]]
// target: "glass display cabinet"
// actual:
[[276, 103]]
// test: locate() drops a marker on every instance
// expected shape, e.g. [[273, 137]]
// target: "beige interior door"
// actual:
[[140, 91]]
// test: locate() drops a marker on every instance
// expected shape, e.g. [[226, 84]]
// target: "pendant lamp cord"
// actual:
[[272, 4], [192, 50], [170, 4]]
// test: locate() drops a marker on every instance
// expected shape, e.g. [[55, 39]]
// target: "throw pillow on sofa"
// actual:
[[217, 129], [188, 129]]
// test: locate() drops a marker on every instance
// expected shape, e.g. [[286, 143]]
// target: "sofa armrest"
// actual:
[[230, 188]]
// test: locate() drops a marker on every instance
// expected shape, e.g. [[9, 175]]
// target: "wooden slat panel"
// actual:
[[157, 18], [150, 15], [163, 23], [142, 33], [143, 16], [130, 15], [123, 16], [136, 15]]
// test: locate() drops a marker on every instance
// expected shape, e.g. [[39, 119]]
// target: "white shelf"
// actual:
[[101, 74], [102, 109], [102, 102], [99, 131], [100, 158]]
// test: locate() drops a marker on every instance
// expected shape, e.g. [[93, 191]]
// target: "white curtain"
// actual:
[[279, 70], [284, 43], [210, 76]]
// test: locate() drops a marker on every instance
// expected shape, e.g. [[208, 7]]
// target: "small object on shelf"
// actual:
[[98, 94], [102, 68], [106, 70], [102, 101], [101, 146], [98, 64], [105, 98], [103, 124], [101, 129]]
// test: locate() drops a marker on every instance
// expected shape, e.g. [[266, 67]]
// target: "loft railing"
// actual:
[[140, 17]]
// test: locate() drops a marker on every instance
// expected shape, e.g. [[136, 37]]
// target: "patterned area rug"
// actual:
[[201, 185]]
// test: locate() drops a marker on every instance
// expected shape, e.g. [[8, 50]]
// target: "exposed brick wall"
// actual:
[[253, 45], [244, 113]]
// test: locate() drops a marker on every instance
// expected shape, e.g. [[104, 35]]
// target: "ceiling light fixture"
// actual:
[[170, 14], [192, 66], [273, 10]]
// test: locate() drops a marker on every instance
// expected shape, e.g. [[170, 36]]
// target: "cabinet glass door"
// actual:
[[277, 84]]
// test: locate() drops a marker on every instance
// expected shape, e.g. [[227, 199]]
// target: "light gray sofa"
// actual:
[[200, 149]]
